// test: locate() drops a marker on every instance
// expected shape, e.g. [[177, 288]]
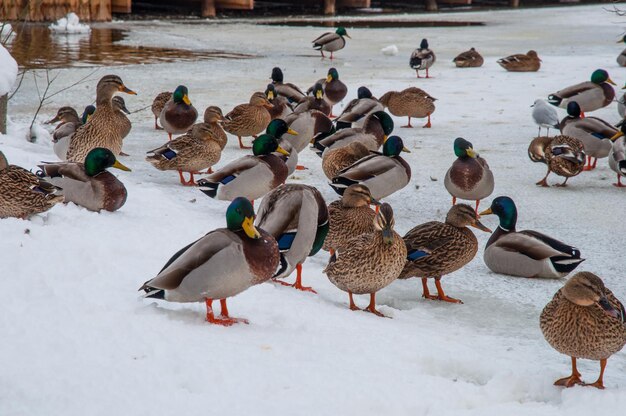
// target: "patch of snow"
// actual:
[[69, 24], [8, 71], [390, 50]]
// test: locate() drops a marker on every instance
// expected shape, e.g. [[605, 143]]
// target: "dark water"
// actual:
[[370, 24], [34, 46]]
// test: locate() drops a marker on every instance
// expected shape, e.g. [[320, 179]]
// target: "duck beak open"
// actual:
[[120, 166], [282, 151], [481, 226], [472, 153], [610, 81], [617, 136], [486, 212], [186, 100], [608, 309], [293, 132], [249, 229], [127, 90], [319, 94]]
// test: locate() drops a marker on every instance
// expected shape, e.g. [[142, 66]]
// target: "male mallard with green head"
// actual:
[[331, 42], [222, 264], [314, 102], [435, 248], [178, 114], [591, 95], [525, 253], [286, 89], [334, 89], [422, 58], [281, 106], [89, 184], [584, 319], [358, 109]]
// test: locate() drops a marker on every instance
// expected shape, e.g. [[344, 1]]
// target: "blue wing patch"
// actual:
[[417, 254], [286, 240], [169, 154], [227, 179]]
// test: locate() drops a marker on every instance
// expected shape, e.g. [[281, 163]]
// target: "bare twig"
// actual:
[[141, 109], [21, 76], [617, 11]]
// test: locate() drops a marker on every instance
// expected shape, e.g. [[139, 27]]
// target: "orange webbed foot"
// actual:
[[569, 381]]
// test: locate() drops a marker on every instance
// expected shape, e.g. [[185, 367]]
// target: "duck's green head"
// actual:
[[277, 75], [240, 216], [181, 95], [573, 109], [384, 222], [270, 92], [463, 148], [599, 76], [393, 146], [278, 127], [99, 159], [266, 144], [332, 75], [318, 91], [364, 92], [341, 31], [385, 121], [505, 209], [89, 111]]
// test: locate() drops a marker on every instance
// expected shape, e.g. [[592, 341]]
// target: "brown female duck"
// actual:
[[336, 160], [564, 156], [520, 62], [157, 106], [468, 59], [249, 119], [410, 102]]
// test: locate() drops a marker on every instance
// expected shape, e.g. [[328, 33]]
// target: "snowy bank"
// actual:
[[8, 71]]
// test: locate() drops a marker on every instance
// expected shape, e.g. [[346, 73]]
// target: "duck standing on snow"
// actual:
[[297, 216], [314, 102], [617, 155], [545, 116], [350, 216], [22, 193], [422, 58], [591, 95], [101, 130], [286, 89], [410, 102], [281, 106], [250, 176], [249, 119], [621, 58], [178, 115], [383, 174], [308, 124], [89, 184], [435, 248], [469, 177], [376, 128], [69, 123], [336, 160], [525, 253], [331, 42], [528, 62], [355, 112], [563, 155], [584, 319], [222, 264], [594, 133], [334, 89], [469, 59], [157, 106], [370, 261]]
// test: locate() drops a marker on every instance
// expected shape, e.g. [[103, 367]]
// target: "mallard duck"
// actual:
[[191, 152], [435, 248], [422, 58], [123, 123], [468, 59], [248, 119], [314, 102], [617, 155], [157, 106], [564, 156], [369, 262], [286, 89], [520, 62], [525, 253], [89, 184], [284, 135], [621, 106], [249, 176], [331, 42], [349, 217], [358, 109], [594, 133], [545, 116], [308, 124], [537, 149], [621, 58], [178, 114], [336, 160], [69, 122], [222, 264], [334, 89], [584, 319], [281, 106], [383, 173], [590, 95], [101, 130], [411, 102], [373, 134], [213, 118], [469, 177], [297, 217], [22, 193]]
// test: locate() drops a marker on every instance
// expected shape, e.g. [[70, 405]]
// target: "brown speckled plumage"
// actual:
[[565, 156], [159, 102], [528, 62], [121, 121], [468, 59], [537, 149], [22, 193], [249, 119], [410, 102], [335, 160]]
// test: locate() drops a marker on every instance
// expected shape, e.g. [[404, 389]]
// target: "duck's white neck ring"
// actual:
[[504, 229]]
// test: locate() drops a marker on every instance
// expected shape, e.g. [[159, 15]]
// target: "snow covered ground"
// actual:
[[78, 340]]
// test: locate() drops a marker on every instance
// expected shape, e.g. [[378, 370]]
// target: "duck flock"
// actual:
[[361, 157]]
